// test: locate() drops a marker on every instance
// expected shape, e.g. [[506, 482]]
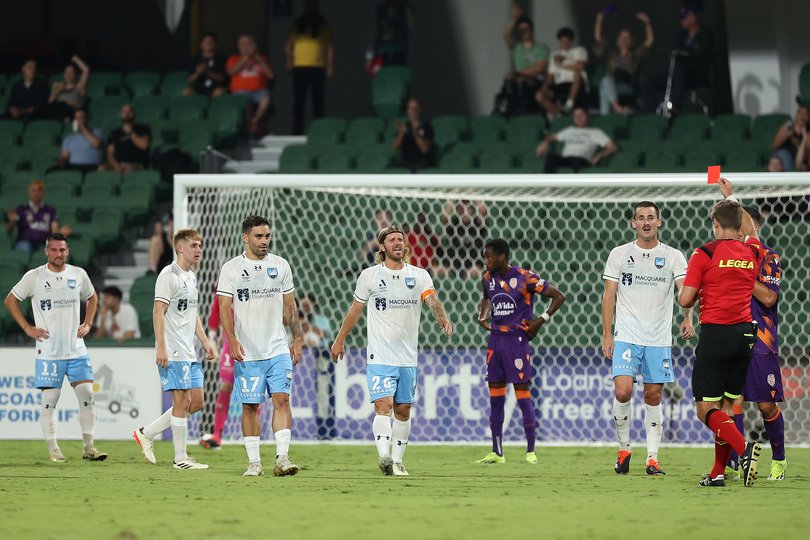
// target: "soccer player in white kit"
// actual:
[[639, 283], [176, 322], [394, 291], [56, 290], [259, 287]]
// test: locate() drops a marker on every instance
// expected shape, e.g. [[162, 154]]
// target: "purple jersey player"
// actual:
[[763, 383], [509, 299]]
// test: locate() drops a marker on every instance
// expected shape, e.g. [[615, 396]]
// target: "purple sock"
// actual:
[[734, 459], [496, 404], [776, 434], [529, 421]]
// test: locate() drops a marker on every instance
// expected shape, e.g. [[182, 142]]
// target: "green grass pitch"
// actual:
[[340, 493]]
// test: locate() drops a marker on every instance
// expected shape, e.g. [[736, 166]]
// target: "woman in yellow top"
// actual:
[[310, 57]]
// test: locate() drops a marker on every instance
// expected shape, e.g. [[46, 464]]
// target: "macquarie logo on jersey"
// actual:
[[402, 303], [182, 305], [64, 303], [267, 292], [627, 278], [380, 304], [641, 279], [503, 305], [243, 294], [45, 305]]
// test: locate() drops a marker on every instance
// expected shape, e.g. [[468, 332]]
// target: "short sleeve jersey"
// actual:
[[118, 324], [56, 300], [394, 299], [724, 272], [512, 298], [582, 142], [570, 57], [767, 318], [523, 58], [178, 289], [258, 289], [644, 298]]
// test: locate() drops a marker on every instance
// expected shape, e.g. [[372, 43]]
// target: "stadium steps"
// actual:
[[123, 276], [265, 155]]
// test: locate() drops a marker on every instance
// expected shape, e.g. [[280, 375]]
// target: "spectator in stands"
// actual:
[[82, 149], [69, 94], [34, 220], [465, 228], [622, 62], [788, 138], [393, 22], [310, 56], [529, 65], [251, 74], [128, 146], [116, 319], [566, 80], [583, 146], [414, 140], [803, 155], [160, 253], [693, 66], [423, 243], [207, 75], [315, 326], [28, 97], [775, 164], [382, 219]]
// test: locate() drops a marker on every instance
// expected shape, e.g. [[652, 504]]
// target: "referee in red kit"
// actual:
[[721, 277]]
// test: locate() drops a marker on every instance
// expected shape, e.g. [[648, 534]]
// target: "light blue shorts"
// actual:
[[387, 381], [253, 381], [181, 376], [654, 363], [51, 373]]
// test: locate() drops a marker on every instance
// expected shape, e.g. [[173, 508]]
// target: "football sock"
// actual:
[[721, 452], [382, 434], [399, 434], [252, 448], [283, 438], [524, 399], [724, 429], [87, 411], [497, 401], [734, 459], [179, 431], [621, 417], [654, 423], [47, 417], [775, 428], [163, 422], [221, 412]]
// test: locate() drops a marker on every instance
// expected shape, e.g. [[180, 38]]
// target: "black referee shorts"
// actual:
[[721, 360]]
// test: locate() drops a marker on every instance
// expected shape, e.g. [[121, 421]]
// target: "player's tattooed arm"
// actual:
[[291, 318], [437, 309]]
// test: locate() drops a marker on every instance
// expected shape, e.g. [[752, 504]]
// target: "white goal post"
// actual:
[[561, 226]]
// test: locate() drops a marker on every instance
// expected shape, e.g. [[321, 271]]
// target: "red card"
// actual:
[[714, 174]]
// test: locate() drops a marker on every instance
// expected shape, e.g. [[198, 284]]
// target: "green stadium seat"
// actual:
[[73, 178], [82, 251], [536, 121], [625, 162], [142, 178], [388, 96], [104, 83], [457, 123], [332, 124], [458, 162], [731, 126], [14, 258], [804, 84], [403, 74], [522, 138], [57, 192], [661, 161], [142, 83], [150, 108], [742, 161], [493, 162], [647, 126], [20, 179], [38, 139], [138, 202], [106, 109], [487, 123], [699, 160], [560, 123], [334, 163], [165, 133], [295, 159], [99, 186], [687, 132], [174, 83], [324, 137], [764, 127], [184, 108], [528, 162], [12, 127], [356, 137], [193, 141], [372, 162], [144, 284], [615, 125], [368, 123], [51, 127], [111, 178]]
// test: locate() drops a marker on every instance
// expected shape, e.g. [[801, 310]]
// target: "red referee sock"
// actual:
[[725, 430], [722, 451]]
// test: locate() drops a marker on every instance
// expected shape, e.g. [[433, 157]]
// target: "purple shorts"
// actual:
[[763, 382], [509, 359]]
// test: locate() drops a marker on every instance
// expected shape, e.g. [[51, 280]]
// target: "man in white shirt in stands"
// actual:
[[583, 146], [566, 76], [117, 320]]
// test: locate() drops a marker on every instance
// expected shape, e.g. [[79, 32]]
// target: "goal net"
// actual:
[[561, 227]]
